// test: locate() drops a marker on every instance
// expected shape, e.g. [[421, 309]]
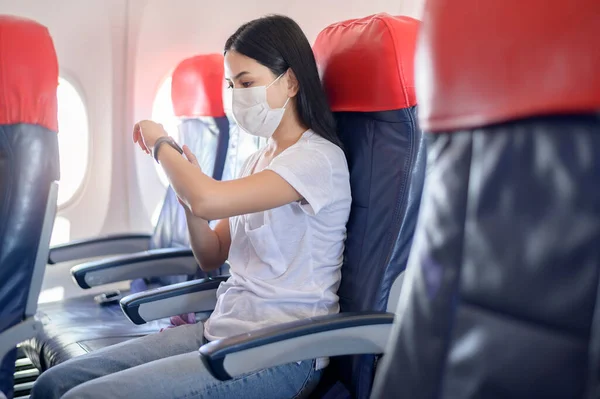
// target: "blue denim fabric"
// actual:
[[167, 365]]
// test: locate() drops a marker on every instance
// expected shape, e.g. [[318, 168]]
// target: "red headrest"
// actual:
[[197, 86], [367, 64], [28, 74], [484, 62]]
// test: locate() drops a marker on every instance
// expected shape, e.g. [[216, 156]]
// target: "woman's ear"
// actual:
[[292, 83]]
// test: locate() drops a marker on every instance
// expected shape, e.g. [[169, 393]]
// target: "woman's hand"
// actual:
[[145, 134], [191, 157]]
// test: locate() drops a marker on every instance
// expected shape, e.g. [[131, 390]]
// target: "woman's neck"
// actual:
[[288, 132]]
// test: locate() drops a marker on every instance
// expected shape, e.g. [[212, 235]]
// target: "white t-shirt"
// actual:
[[286, 262]]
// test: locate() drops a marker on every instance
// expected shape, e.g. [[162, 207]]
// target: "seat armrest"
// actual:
[[324, 336], [187, 297], [102, 246], [154, 263]]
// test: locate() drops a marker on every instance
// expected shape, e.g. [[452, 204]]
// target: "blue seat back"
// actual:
[[386, 155], [29, 169], [385, 150], [501, 294], [241, 146]]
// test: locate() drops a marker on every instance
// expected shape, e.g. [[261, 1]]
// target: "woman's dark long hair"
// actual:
[[278, 43]]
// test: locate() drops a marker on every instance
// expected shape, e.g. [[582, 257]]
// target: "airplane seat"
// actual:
[[501, 292], [366, 67], [76, 326], [29, 170]]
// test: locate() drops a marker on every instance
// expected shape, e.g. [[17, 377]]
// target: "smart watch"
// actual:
[[162, 140]]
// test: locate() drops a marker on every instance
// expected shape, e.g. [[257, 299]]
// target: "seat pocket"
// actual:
[[271, 262]]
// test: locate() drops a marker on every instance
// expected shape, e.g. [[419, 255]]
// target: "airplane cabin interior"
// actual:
[[317, 199]]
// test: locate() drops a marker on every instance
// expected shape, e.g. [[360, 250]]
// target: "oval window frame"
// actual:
[[78, 192]]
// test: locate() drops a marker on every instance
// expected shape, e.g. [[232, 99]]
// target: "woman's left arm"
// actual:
[[206, 197], [212, 199]]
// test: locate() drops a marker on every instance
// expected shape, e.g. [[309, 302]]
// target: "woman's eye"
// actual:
[[229, 85], [246, 84]]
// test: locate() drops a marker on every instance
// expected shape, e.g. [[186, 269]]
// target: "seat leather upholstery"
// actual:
[[501, 288], [500, 297], [28, 165], [72, 328], [386, 156]]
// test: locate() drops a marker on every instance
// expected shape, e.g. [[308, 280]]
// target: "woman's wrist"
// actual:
[[162, 143]]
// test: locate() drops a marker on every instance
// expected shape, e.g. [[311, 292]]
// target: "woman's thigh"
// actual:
[[184, 376], [173, 341]]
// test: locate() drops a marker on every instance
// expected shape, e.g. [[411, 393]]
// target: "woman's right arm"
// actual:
[[210, 247]]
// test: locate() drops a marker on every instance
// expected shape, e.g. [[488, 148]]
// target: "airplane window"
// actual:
[[73, 140], [61, 232], [162, 112]]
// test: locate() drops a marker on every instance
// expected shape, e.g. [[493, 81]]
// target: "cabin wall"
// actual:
[[88, 37], [118, 52]]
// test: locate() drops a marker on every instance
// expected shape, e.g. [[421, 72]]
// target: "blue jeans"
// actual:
[[167, 365]]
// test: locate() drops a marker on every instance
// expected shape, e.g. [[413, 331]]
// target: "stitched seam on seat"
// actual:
[[591, 380], [369, 129], [9, 168], [523, 320], [400, 206], [82, 347]]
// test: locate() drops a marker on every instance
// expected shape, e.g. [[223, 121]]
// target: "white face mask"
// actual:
[[252, 112]]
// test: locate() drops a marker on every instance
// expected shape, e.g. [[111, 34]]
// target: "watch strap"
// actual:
[[165, 140]]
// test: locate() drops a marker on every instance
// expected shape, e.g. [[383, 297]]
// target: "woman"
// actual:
[[281, 226]]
